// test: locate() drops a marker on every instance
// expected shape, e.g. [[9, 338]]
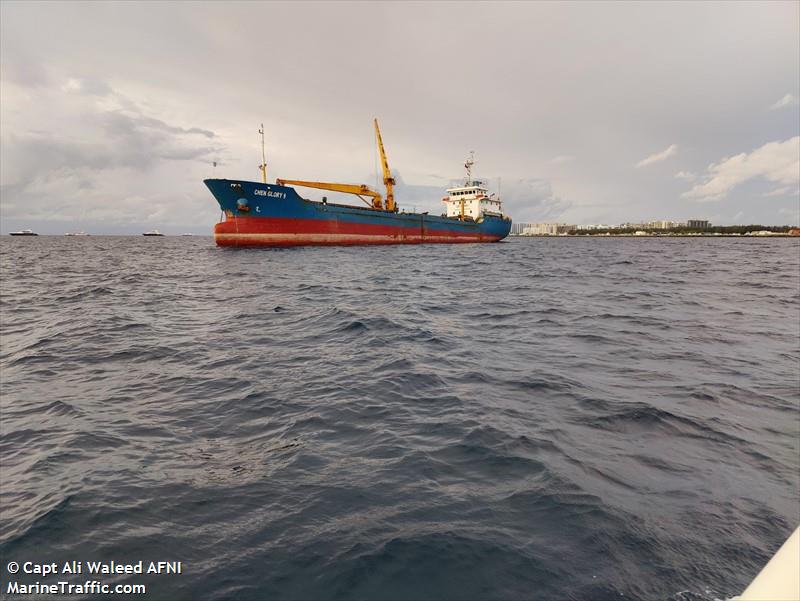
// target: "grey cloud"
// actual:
[[22, 68], [95, 87], [138, 140], [158, 125], [88, 86], [124, 141], [533, 200], [90, 157]]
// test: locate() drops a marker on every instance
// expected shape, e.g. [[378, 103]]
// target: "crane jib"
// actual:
[[359, 190]]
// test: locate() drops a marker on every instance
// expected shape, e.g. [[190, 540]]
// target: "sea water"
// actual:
[[569, 418]]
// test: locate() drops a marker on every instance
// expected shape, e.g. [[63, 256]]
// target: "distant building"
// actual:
[[547, 229], [698, 224], [661, 225], [594, 227], [542, 229]]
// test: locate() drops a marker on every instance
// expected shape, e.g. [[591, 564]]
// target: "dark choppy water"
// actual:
[[547, 419]]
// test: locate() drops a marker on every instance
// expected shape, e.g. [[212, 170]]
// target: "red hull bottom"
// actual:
[[277, 232]]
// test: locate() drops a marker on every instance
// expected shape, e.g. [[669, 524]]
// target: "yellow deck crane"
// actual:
[[388, 180], [359, 190]]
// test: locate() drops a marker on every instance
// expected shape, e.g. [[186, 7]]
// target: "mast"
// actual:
[[470, 162], [388, 180], [263, 166]]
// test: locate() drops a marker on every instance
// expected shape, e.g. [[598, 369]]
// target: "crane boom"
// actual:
[[388, 180], [359, 190]]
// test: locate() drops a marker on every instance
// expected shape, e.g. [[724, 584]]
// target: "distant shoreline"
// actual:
[[780, 235]]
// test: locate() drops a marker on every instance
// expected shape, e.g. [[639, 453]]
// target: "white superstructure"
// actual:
[[472, 200]]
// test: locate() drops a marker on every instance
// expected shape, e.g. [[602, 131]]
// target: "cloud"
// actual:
[[20, 67], [788, 100], [90, 87], [777, 162], [784, 191], [110, 139], [532, 200], [659, 156], [686, 175], [105, 147]]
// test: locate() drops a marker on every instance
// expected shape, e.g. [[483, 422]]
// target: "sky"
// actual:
[[112, 114]]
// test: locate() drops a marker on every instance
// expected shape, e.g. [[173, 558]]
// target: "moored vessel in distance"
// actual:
[[81, 233], [23, 233], [153, 233], [262, 214]]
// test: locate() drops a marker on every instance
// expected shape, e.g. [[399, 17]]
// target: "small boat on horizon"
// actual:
[[24, 233], [153, 233], [81, 233]]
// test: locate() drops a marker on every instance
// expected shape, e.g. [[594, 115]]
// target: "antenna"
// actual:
[[470, 162], [263, 165]]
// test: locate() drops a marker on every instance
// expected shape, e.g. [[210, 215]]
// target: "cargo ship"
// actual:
[[275, 215]]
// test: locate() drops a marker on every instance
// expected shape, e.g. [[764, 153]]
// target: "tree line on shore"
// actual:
[[684, 230]]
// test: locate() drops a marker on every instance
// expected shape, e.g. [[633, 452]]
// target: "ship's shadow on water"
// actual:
[[535, 419]]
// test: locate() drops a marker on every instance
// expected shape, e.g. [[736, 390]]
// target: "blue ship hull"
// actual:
[[259, 214]]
